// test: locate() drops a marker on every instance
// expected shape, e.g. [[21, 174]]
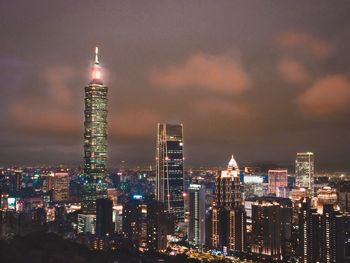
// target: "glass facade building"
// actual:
[[304, 170], [170, 168]]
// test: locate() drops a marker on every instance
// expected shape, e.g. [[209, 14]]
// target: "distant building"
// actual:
[[344, 200], [277, 180], [48, 182], [147, 224], [60, 186], [196, 228], [18, 174], [304, 170], [266, 230], [309, 234], [104, 224], [326, 195], [113, 195], [335, 233], [86, 223], [159, 224], [170, 168]]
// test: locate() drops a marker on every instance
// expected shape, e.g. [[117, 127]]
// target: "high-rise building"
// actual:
[[335, 234], [304, 170], [18, 174], [86, 223], [135, 222], [228, 186], [170, 168], [326, 195], [266, 230], [228, 217], [104, 211], [237, 228], [309, 233], [196, 227], [60, 186], [277, 180], [95, 140], [147, 224], [159, 225]]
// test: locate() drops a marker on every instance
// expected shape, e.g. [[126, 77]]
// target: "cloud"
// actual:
[[215, 73], [47, 121], [133, 123], [293, 71], [298, 39], [328, 95], [220, 107], [57, 81]]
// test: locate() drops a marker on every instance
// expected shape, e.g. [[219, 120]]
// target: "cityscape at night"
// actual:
[[175, 131]]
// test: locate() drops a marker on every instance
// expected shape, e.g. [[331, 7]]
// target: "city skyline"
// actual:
[[153, 59]]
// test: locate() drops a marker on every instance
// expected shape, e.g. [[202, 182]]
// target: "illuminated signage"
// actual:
[[11, 203], [137, 197]]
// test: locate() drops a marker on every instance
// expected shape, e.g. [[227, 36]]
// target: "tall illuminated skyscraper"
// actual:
[[266, 230], [228, 218], [304, 170], [196, 226], [95, 140], [170, 168]]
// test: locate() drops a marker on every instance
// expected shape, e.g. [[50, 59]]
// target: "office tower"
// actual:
[[228, 216], [160, 224], [134, 222], [309, 233], [237, 229], [60, 186], [48, 182], [86, 223], [196, 227], [147, 224], [277, 180], [335, 234], [170, 168], [266, 230], [326, 195], [228, 186], [304, 170], [95, 140], [18, 174], [344, 199], [104, 225]]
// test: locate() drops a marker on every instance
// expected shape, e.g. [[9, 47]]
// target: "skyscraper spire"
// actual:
[[96, 71], [96, 56], [232, 163]]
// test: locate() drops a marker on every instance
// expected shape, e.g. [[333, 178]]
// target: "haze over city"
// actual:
[[260, 79]]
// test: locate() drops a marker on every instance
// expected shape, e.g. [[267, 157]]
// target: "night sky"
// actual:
[[260, 79]]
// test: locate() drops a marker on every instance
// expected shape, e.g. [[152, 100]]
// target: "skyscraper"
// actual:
[[170, 168], [277, 180], [60, 186], [228, 186], [104, 225], [95, 140], [196, 228], [309, 233], [228, 215], [304, 170], [266, 234]]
